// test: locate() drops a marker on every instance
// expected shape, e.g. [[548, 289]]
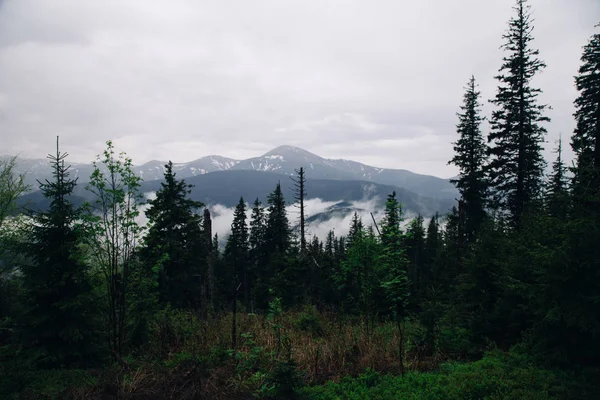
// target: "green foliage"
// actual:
[[57, 325], [11, 187], [112, 235], [393, 259], [174, 242], [496, 376], [359, 276], [55, 384]]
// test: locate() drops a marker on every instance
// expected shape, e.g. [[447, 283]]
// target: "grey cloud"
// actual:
[[377, 82]]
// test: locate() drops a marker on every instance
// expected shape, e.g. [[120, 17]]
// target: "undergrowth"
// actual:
[[301, 354]]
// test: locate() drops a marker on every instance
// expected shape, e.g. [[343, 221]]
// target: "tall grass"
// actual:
[[279, 355]]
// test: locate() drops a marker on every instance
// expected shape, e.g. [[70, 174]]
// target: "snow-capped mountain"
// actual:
[[282, 160], [153, 170], [286, 159]]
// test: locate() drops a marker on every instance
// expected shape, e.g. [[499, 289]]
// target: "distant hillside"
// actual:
[[226, 187], [281, 160]]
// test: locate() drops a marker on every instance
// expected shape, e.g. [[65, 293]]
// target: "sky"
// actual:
[[378, 82]]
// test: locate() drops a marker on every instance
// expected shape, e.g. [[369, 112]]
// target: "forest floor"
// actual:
[[305, 355]]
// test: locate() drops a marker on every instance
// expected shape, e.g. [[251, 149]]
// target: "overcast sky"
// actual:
[[373, 81]]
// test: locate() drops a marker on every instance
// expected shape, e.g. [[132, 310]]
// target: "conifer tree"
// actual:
[[331, 268], [176, 232], [356, 226], [470, 157], [208, 297], [517, 166], [394, 262], [358, 276], [557, 197], [257, 249], [58, 319], [236, 255], [236, 252], [580, 284], [585, 141], [433, 248], [277, 231], [300, 190], [415, 252]]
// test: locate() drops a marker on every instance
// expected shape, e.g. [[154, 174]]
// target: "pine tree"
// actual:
[[208, 303], [356, 226], [358, 276], [300, 190], [236, 252], [470, 157], [585, 141], [415, 252], [257, 249], [58, 321], [394, 262], [277, 232], [557, 197], [236, 255], [176, 232], [516, 167], [579, 286]]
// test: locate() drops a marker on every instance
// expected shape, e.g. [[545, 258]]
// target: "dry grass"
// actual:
[[187, 357]]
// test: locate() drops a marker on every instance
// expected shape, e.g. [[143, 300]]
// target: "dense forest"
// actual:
[[500, 298]]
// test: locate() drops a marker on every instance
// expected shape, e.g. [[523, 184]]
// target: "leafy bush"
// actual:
[[497, 376]]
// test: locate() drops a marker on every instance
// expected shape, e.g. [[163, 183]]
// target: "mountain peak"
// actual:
[[286, 149]]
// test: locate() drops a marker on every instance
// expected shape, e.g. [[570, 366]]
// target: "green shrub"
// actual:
[[454, 342], [309, 321], [497, 376]]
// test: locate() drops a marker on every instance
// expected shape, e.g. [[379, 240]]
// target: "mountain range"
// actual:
[[283, 160], [222, 180]]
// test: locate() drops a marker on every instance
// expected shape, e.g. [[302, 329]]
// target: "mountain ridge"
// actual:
[[226, 188], [284, 159]]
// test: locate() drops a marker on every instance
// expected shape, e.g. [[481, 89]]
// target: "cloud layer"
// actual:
[[378, 82]]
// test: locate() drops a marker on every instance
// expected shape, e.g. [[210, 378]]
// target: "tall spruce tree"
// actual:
[[395, 285], [208, 303], [517, 166], [175, 232], [470, 157], [580, 303], [236, 253], [277, 232], [585, 141], [58, 321], [415, 252], [236, 256], [257, 250], [300, 196]]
